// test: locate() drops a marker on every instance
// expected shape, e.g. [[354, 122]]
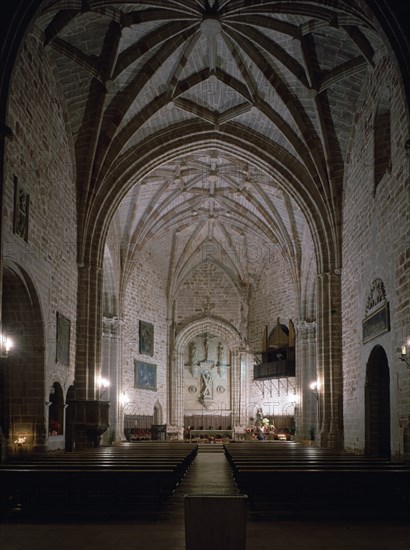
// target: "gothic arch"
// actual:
[[152, 154], [158, 414], [220, 328], [377, 404], [56, 410], [225, 330], [22, 321]]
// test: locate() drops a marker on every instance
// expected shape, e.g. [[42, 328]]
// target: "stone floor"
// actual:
[[209, 473]]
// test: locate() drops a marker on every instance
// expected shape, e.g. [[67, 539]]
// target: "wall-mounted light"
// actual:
[[6, 344], [124, 399], [314, 388], [102, 384], [403, 356]]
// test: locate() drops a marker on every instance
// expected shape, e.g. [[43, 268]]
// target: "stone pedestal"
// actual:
[[215, 521], [89, 420]]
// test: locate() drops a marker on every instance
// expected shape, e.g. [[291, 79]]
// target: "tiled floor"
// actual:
[[209, 473]]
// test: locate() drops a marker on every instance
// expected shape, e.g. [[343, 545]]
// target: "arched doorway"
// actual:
[[56, 411], [23, 371], [69, 420], [157, 413], [377, 404]]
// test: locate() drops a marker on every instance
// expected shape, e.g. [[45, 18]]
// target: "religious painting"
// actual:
[[21, 211], [63, 340], [145, 375], [146, 338], [376, 323]]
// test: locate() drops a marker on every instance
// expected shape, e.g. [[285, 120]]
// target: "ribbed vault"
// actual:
[[206, 125]]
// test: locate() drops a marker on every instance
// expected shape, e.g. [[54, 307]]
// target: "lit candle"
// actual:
[[403, 350]]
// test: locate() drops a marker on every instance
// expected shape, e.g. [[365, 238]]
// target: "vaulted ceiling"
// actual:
[[283, 76]]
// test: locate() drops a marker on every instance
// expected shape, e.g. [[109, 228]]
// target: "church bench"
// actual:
[[85, 491], [303, 481], [337, 490], [94, 482]]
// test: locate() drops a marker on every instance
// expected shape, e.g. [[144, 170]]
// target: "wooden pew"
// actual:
[[300, 481], [107, 482]]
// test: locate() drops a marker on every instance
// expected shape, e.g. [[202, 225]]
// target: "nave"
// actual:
[[210, 474]]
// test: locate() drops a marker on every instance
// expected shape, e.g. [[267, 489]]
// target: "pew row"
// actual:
[[297, 481], [104, 483]]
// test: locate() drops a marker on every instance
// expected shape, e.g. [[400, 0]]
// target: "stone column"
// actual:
[[329, 359], [111, 351], [89, 322], [307, 418], [236, 388], [90, 415], [176, 393], [245, 359]]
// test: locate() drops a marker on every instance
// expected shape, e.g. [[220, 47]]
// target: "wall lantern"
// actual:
[[102, 384], [314, 388], [6, 344], [403, 356]]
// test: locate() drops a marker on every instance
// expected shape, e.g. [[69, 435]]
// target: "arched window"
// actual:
[[382, 138]]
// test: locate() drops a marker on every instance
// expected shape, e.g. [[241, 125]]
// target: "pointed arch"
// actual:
[[377, 404]]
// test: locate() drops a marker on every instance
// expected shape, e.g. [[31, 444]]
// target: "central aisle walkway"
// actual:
[[209, 474]]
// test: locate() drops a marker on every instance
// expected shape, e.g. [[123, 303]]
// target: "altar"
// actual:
[[207, 434]]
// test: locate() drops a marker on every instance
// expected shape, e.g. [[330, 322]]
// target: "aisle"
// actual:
[[209, 474]]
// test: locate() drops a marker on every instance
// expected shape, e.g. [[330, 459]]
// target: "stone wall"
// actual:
[[376, 244], [144, 300], [208, 286], [273, 297], [39, 159]]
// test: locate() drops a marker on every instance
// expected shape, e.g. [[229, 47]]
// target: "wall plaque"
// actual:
[[376, 323]]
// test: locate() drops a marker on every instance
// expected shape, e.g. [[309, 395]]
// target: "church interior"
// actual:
[[205, 270]]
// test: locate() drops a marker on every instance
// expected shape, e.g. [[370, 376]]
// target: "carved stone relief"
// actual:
[[21, 211], [376, 295], [206, 374]]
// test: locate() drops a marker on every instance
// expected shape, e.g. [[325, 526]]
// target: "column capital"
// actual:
[[111, 326], [303, 327], [329, 274]]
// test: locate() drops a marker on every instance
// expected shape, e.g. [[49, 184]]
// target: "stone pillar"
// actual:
[[90, 414], [307, 417], [111, 351], [245, 359], [329, 359], [89, 322], [176, 393], [236, 384]]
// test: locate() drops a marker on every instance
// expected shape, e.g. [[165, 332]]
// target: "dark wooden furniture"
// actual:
[[291, 480], [119, 482]]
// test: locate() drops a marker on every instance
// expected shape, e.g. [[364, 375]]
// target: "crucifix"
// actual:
[[206, 344]]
